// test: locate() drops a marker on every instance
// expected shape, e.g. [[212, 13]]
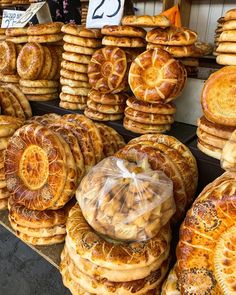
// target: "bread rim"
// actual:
[[127, 288], [113, 275], [97, 116], [72, 105], [210, 139], [215, 129], [209, 150], [128, 257]]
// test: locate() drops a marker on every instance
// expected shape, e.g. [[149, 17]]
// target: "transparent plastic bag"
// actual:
[[126, 201]]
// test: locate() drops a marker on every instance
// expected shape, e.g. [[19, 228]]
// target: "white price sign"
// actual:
[[10, 18], [40, 9], [104, 12]]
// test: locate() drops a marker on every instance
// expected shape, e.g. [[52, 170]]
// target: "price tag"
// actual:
[[10, 18], [35, 8], [104, 12]]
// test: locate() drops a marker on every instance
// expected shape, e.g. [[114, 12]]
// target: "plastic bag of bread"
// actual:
[[126, 201]]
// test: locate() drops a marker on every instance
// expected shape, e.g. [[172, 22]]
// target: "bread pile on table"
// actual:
[[107, 72], [226, 50], [17, 35], [206, 248], [125, 265], [8, 125], [80, 44], [179, 42], [13, 102], [151, 110], [38, 63], [9, 52], [45, 161], [218, 31], [218, 104]]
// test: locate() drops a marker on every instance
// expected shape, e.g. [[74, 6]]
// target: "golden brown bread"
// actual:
[[226, 47], [75, 57], [94, 270], [226, 59], [18, 39], [147, 21], [175, 51], [73, 98], [215, 129], [97, 116], [230, 14], [74, 75], [44, 29], [30, 61], [90, 128], [42, 97], [228, 36], [153, 108], [108, 98], [85, 42], [107, 69], [170, 286], [123, 31], [45, 71], [37, 185], [103, 286], [207, 240], [81, 31], [172, 36], [106, 109], [229, 25], [179, 154], [14, 78], [213, 140], [147, 118], [75, 67], [112, 141], [78, 49], [114, 255], [130, 42], [45, 38], [154, 75], [228, 158], [142, 128], [218, 97], [16, 32], [7, 57], [209, 149]]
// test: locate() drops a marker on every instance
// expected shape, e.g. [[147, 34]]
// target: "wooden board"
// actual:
[[51, 253]]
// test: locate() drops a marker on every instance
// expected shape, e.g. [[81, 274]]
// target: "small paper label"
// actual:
[[104, 12], [10, 18], [29, 13]]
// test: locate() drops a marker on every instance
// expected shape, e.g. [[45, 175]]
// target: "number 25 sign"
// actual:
[[104, 12]]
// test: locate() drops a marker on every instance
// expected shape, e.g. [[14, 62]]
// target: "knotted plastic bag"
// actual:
[[126, 201]]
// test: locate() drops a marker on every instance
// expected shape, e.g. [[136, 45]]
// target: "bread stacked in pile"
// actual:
[[8, 125], [17, 35], [131, 39], [45, 161], [108, 221], [84, 11], [107, 72], [179, 42], [226, 50], [38, 63], [80, 44], [206, 249], [218, 31], [9, 52], [218, 104], [125, 265]]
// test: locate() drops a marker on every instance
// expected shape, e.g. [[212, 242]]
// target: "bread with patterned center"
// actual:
[[154, 75], [107, 69]]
